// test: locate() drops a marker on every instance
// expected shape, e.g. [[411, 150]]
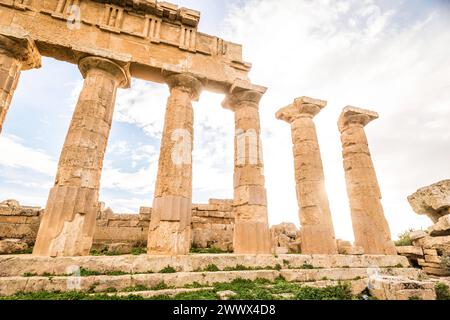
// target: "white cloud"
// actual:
[[16, 155]]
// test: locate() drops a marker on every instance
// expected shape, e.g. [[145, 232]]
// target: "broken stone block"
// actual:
[[441, 227], [351, 250], [410, 251], [8, 246], [433, 200], [226, 295], [418, 234]]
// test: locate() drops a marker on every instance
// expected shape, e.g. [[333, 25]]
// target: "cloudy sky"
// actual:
[[390, 56]]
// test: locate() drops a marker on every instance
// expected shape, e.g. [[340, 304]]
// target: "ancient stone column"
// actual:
[[369, 223], [67, 226], [15, 55], [170, 224], [251, 229], [317, 232]]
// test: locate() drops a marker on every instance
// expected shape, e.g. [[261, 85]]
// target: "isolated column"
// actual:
[[251, 229], [67, 226], [15, 55], [170, 225], [317, 233], [369, 223]]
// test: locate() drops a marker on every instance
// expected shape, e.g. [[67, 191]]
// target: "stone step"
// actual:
[[155, 293], [103, 283], [17, 265], [342, 274]]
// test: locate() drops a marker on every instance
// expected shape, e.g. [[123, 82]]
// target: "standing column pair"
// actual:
[[15, 55], [170, 230], [67, 226]]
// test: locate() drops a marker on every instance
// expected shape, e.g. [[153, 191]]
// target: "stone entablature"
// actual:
[[127, 31]]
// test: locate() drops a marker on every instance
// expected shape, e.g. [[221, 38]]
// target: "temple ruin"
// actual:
[[110, 46], [114, 41]]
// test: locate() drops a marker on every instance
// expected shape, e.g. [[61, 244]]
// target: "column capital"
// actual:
[[23, 49], [186, 82], [352, 116], [121, 73], [303, 107], [237, 97]]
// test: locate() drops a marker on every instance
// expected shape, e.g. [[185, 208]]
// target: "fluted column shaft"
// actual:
[[317, 232], [67, 226], [170, 225], [251, 229], [15, 55], [369, 223]]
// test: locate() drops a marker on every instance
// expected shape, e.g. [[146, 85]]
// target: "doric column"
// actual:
[[170, 225], [15, 55], [369, 223], [67, 226], [317, 233], [251, 229]]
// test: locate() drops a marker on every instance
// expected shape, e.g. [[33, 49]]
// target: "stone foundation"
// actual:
[[383, 277], [212, 226]]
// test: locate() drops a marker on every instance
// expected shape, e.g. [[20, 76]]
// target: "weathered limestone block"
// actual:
[[369, 223], [317, 232], [19, 222], [251, 231], [346, 247], [285, 238], [17, 52], [67, 227], [441, 227], [417, 235], [394, 288], [433, 201], [213, 228], [8, 246], [170, 225], [410, 251], [438, 243]]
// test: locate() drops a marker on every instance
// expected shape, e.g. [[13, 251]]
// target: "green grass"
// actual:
[[104, 252], [71, 295], [160, 286], [136, 288], [211, 268], [339, 292], [138, 251], [86, 273], [307, 266], [238, 267], [260, 289], [212, 250], [442, 291], [168, 269], [404, 239]]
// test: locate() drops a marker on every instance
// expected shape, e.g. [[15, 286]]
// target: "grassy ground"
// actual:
[[259, 289]]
